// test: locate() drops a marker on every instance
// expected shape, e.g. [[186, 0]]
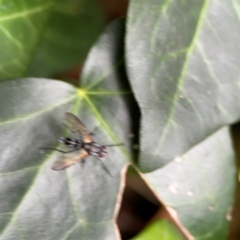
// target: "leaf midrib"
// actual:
[[181, 78]]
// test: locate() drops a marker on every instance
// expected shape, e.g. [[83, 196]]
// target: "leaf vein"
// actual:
[[181, 78], [105, 125], [11, 37], [27, 12], [22, 118]]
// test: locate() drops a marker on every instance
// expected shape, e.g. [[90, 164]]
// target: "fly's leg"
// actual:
[[72, 150], [83, 162], [95, 129], [104, 167]]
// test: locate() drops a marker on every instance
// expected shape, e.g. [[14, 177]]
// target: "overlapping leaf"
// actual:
[[183, 66], [198, 187], [182, 62]]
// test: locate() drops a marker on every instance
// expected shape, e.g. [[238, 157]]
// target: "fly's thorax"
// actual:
[[93, 147]]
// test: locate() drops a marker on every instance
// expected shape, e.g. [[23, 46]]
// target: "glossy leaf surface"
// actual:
[[182, 63], [79, 203], [182, 60], [198, 187]]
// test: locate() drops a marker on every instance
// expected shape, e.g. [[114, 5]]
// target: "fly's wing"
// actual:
[[69, 161], [77, 126]]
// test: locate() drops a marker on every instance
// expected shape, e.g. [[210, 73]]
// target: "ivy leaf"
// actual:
[[183, 66], [44, 37], [71, 30], [193, 187], [36, 202], [182, 62], [21, 24]]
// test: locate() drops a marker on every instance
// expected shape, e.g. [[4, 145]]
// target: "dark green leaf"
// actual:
[[38, 203], [42, 37], [21, 25], [71, 31]]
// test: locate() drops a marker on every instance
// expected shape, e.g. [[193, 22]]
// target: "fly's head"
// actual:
[[103, 152]]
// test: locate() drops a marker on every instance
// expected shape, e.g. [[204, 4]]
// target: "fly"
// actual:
[[85, 145]]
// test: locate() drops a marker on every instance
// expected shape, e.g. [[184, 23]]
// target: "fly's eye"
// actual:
[[101, 155]]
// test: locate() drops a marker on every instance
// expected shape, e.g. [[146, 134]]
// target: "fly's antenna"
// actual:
[[114, 145], [104, 167]]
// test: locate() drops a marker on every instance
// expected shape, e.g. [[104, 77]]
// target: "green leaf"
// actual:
[[68, 36], [38, 203], [160, 229], [21, 23], [43, 37], [198, 187], [182, 60]]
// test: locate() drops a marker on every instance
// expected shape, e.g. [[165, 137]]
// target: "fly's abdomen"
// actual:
[[69, 141]]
